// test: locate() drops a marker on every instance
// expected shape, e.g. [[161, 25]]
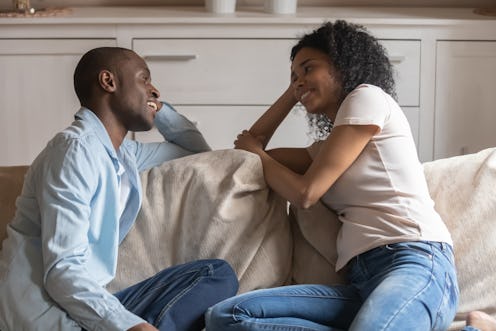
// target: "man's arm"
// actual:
[[74, 271], [182, 138], [179, 130]]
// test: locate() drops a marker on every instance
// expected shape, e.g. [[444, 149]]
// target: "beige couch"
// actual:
[[217, 204]]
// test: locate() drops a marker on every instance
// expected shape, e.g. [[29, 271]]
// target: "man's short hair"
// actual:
[[90, 65]]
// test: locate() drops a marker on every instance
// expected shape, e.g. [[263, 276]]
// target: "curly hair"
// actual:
[[358, 58], [357, 55]]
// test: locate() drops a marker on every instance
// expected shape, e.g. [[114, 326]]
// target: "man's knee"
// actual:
[[225, 274]]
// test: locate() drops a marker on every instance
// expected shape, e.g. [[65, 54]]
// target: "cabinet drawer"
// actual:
[[405, 57], [221, 124], [218, 71], [248, 71]]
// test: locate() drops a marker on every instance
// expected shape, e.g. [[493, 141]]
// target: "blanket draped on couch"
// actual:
[[209, 205]]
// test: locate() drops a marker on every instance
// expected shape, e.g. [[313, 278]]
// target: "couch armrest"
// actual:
[[11, 180]]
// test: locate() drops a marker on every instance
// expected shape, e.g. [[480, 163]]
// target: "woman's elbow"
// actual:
[[306, 200]]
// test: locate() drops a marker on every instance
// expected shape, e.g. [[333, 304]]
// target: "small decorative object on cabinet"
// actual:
[[220, 6], [280, 6]]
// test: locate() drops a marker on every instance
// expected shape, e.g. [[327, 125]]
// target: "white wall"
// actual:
[[430, 3]]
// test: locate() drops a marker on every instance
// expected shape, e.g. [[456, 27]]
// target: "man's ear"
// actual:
[[107, 81]]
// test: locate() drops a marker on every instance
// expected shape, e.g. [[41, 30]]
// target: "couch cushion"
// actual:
[[463, 188], [314, 234], [11, 180]]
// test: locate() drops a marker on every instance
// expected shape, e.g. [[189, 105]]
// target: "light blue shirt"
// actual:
[[62, 245]]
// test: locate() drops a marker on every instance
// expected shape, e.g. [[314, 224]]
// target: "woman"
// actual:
[[393, 245]]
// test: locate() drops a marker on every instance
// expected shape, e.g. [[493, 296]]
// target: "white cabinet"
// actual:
[[37, 97], [218, 71], [405, 57], [224, 85], [224, 71], [465, 111]]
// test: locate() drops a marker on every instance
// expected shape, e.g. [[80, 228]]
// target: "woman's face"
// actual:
[[316, 82]]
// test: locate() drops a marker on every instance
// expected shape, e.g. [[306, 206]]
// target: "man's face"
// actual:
[[136, 98]]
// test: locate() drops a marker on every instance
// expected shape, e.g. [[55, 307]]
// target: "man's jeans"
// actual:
[[404, 286], [176, 298]]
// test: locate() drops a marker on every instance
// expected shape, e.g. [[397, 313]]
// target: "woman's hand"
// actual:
[[248, 142]]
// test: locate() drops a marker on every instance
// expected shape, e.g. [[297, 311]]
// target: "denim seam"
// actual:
[[234, 315], [139, 293], [431, 279], [181, 294], [284, 327]]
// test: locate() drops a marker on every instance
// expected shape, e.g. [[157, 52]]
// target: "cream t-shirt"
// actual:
[[382, 197]]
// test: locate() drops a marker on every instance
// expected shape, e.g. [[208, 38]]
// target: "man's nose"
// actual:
[[155, 93]]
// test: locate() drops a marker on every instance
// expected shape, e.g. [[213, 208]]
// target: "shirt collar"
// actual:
[[94, 122]]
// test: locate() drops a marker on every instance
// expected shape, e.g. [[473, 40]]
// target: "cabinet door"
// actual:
[[465, 111], [37, 97]]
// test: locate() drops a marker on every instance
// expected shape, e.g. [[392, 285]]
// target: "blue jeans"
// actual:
[[404, 286], [176, 298]]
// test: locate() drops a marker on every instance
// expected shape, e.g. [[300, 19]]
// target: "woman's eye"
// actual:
[[307, 69]]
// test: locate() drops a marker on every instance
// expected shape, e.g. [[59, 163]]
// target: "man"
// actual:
[[80, 198]]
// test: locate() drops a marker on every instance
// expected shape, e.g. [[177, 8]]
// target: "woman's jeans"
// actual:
[[404, 286], [176, 298]]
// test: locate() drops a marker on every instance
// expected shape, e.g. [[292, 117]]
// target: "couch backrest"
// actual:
[[11, 180]]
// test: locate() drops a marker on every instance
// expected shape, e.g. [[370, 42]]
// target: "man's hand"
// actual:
[[143, 327]]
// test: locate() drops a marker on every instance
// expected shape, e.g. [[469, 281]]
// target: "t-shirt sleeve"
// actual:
[[365, 105]]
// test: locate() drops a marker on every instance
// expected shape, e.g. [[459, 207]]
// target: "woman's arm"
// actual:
[[342, 147], [266, 125], [296, 159]]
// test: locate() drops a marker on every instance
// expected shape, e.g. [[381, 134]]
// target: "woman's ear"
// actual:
[[107, 81]]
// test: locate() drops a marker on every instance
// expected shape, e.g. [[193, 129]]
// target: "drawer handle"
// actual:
[[396, 59], [171, 57]]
